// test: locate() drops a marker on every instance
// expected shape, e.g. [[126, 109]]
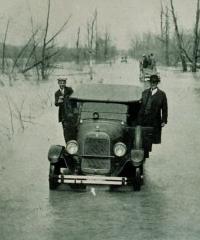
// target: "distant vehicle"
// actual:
[[110, 148], [145, 74], [124, 59]]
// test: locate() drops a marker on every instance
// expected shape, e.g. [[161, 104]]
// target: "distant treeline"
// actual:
[[82, 54], [152, 43]]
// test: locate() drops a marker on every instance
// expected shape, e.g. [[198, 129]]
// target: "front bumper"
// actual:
[[92, 180]]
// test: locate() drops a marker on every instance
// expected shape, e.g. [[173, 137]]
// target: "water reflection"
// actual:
[[108, 215]]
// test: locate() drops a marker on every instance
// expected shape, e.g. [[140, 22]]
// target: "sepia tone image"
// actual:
[[99, 119]]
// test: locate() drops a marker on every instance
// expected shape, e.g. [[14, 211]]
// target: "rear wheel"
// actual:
[[53, 176]]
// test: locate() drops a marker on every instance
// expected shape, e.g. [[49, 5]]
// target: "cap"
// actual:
[[62, 80], [154, 78]]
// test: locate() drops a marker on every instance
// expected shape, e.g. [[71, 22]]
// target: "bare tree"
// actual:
[[167, 36], [4, 47], [96, 42], [179, 39], [106, 44], [48, 50], [196, 40], [164, 32], [77, 46], [161, 21], [43, 61], [90, 40], [33, 53]]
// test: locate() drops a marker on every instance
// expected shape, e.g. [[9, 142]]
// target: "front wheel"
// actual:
[[53, 177], [137, 181]]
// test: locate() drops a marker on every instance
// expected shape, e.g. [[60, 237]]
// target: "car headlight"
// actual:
[[120, 149], [72, 147]]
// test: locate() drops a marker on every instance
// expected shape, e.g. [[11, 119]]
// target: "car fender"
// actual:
[[54, 153]]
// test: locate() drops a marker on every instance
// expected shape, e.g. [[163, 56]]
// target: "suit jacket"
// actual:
[[153, 111], [61, 111]]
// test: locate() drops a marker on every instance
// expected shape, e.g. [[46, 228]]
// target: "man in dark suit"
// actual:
[[65, 114], [154, 109]]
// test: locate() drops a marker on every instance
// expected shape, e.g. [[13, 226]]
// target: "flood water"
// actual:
[[166, 208]]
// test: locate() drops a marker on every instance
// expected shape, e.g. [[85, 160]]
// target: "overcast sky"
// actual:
[[122, 18]]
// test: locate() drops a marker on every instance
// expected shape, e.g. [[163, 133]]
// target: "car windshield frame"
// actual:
[[88, 109]]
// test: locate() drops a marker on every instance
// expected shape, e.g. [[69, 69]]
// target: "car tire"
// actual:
[[138, 175], [53, 176], [137, 182]]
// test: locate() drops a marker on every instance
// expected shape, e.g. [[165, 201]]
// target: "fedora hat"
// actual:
[[154, 78]]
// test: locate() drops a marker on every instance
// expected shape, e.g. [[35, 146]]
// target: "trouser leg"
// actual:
[[69, 131]]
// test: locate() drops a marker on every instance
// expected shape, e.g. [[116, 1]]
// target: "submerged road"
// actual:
[[166, 208]]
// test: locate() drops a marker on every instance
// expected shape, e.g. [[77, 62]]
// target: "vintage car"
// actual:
[[124, 59], [109, 147]]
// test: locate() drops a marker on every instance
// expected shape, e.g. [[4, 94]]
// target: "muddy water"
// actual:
[[166, 208]]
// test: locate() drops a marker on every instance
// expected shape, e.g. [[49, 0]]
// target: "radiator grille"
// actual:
[[96, 145]]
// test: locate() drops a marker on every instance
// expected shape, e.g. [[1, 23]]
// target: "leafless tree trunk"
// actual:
[[34, 53], [88, 34], [96, 42], [106, 42], [4, 48], [92, 30], [77, 46], [196, 40], [34, 49], [90, 39], [167, 37], [164, 33], [179, 39], [43, 61], [161, 22]]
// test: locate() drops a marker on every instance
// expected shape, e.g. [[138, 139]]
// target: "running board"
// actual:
[[96, 180]]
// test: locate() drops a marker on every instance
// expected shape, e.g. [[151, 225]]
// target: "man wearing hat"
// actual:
[[154, 109], [143, 62], [61, 97]]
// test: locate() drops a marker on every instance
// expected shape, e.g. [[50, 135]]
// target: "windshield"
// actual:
[[113, 111]]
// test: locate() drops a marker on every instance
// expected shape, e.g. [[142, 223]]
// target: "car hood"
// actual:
[[114, 129]]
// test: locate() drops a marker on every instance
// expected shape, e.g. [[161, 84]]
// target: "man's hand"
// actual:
[[162, 124], [60, 100]]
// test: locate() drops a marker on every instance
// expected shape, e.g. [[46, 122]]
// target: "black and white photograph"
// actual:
[[99, 119]]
